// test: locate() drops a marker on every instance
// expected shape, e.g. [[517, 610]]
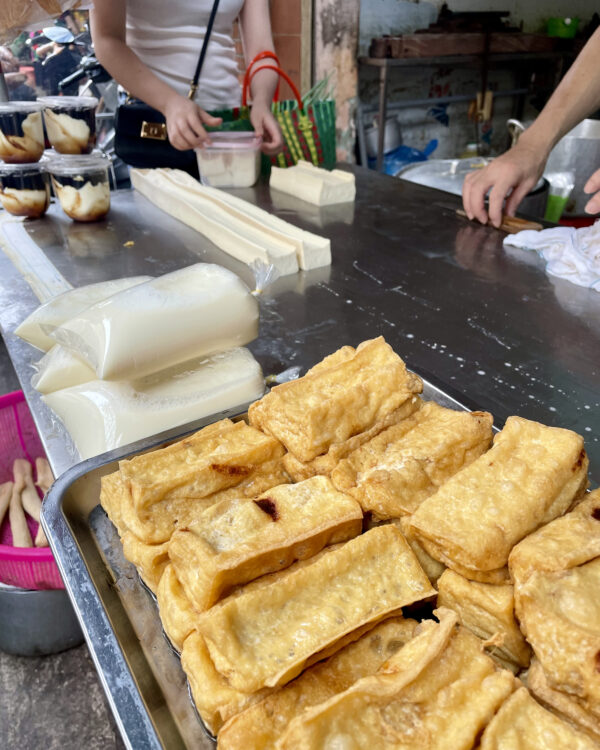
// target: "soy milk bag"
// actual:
[[102, 415], [36, 327], [60, 368], [192, 312]]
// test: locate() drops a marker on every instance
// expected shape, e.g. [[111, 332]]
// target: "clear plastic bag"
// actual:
[[192, 312]]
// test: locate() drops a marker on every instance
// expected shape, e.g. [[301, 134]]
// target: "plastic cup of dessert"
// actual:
[[21, 132], [25, 189], [230, 160], [81, 185], [70, 123]]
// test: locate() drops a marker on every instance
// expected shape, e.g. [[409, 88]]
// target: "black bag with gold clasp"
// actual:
[[141, 138]]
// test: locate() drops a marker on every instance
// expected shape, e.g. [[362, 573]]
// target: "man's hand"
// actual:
[[514, 174], [186, 121], [593, 186], [266, 125]]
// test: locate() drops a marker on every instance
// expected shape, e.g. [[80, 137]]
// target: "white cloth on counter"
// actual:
[[572, 254]]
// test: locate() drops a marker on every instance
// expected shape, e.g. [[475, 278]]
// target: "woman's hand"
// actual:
[[593, 186], [186, 121], [514, 174], [266, 125]]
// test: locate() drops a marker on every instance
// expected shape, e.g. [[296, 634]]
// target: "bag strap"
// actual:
[[264, 55], [209, 27], [281, 73]]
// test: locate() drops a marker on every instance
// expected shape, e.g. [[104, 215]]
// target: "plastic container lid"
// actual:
[[67, 165], [69, 102], [234, 141], [20, 107], [27, 168]]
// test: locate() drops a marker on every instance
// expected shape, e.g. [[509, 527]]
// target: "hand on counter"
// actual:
[[593, 186], [186, 121], [513, 174]]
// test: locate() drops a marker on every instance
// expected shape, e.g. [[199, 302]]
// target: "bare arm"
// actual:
[[184, 118], [256, 37], [577, 95]]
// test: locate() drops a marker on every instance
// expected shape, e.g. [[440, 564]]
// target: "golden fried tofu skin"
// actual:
[[395, 471], [522, 724], [333, 403], [437, 692], [265, 638], [240, 539], [531, 475], [261, 725]]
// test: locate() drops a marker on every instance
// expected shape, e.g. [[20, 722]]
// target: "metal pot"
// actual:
[[577, 152], [36, 623]]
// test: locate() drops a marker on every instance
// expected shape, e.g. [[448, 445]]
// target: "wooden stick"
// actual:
[[5, 495], [18, 522], [510, 224]]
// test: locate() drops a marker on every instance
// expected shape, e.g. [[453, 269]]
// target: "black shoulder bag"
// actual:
[[141, 138]]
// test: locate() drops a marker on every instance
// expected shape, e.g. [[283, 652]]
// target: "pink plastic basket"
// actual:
[[27, 568]]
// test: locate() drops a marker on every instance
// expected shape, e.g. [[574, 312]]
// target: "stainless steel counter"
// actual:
[[458, 308]]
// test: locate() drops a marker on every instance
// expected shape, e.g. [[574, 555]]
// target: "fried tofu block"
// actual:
[[334, 403], [432, 568], [267, 638], [149, 559], [395, 471], [157, 523], [565, 706], [260, 725], [238, 540], [215, 458], [176, 612], [488, 611], [522, 724], [437, 692], [559, 614], [531, 475], [564, 543], [111, 493], [216, 700], [326, 463]]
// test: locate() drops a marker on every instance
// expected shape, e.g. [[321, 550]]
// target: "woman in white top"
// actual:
[[151, 48]]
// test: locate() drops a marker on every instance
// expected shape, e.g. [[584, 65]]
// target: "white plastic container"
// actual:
[[21, 132], [70, 123], [230, 160], [24, 189], [81, 185]]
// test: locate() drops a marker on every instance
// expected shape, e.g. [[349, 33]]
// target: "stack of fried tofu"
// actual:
[[283, 551]]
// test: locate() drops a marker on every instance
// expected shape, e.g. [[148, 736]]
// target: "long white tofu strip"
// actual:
[[312, 250], [192, 312], [314, 184], [266, 638], [101, 415], [240, 539], [231, 235]]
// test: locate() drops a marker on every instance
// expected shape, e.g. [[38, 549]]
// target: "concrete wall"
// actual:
[[449, 123]]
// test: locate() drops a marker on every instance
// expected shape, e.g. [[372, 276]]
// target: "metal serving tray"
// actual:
[[139, 670]]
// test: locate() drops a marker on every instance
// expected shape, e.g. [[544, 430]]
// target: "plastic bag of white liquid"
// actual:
[[192, 312], [60, 368], [102, 415], [47, 317]]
